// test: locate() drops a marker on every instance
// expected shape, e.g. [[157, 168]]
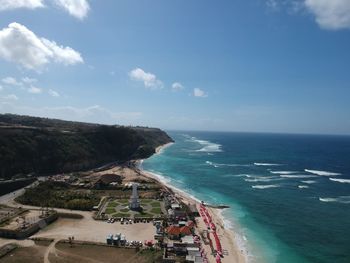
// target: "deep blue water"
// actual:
[[289, 200]]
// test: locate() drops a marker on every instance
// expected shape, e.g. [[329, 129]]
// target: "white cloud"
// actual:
[[77, 8], [28, 80], [273, 4], [34, 90], [13, 4], [149, 80], [53, 93], [1, 88], [330, 14], [199, 93], [176, 86], [11, 81], [20, 45], [10, 97]]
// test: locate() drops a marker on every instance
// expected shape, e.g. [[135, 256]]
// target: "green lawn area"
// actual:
[[155, 204], [109, 210], [112, 204], [123, 201], [156, 210], [146, 201], [124, 210]]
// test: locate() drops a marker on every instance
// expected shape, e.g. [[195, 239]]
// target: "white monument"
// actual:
[[134, 200]]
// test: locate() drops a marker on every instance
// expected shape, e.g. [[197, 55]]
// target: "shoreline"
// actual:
[[227, 235]]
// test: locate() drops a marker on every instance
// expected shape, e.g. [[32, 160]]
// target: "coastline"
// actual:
[[227, 236]]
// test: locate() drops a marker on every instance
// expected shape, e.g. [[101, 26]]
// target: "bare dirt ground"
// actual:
[[97, 254], [88, 229], [32, 254], [64, 253]]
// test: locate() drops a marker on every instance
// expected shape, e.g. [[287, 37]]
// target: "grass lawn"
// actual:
[[112, 204], [156, 210], [146, 201], [109, 210], [155, 204], [124, 210]]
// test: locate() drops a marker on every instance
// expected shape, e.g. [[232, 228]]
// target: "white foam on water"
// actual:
[[340, 199], [266, 186], [212, 164], [239, 238], [309, 182], [264, 179], [284, 172], [322, 173], [207, 146], [216, 165], [238, 175], [267, 164], [297, 176], [303, 186], [343, 181]]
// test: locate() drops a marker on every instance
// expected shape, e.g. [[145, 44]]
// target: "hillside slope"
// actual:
[[47, 146]]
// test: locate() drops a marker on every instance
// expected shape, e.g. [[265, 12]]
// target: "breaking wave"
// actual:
[[340, 199], [267, 164], [208, 146], [263, 179], [309, 182], [225, 164], [322, 173], [283, 172], [297, 176], [265, 186], [343, 181], [303, 186]]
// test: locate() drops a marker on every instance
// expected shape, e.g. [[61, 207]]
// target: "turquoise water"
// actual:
[[289, 195]]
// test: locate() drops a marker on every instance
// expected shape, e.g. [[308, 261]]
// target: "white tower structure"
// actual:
[[134, 200]]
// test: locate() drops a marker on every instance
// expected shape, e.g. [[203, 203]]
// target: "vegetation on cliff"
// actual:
[[44, 146]]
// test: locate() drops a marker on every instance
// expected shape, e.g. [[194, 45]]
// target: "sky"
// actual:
[[229, 65]]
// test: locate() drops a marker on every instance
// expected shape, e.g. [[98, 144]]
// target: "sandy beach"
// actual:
[[227, 236]]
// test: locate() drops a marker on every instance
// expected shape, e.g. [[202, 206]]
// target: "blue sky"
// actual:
[[257, 65]]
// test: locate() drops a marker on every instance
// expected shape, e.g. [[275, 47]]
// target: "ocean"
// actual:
[[289, 195]]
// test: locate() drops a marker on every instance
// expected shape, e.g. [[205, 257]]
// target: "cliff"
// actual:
[[44, 146]]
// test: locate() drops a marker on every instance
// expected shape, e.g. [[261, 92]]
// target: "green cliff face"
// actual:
[[47, 146]]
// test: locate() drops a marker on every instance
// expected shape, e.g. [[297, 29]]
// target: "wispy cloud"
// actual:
[[199, 93], [10, 97], [53, 93], [149, 80], [11, 81], [330, 14], [76, 8], [34, 90], [14, 4], [28, 80], [21, 46], [176, 86]]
